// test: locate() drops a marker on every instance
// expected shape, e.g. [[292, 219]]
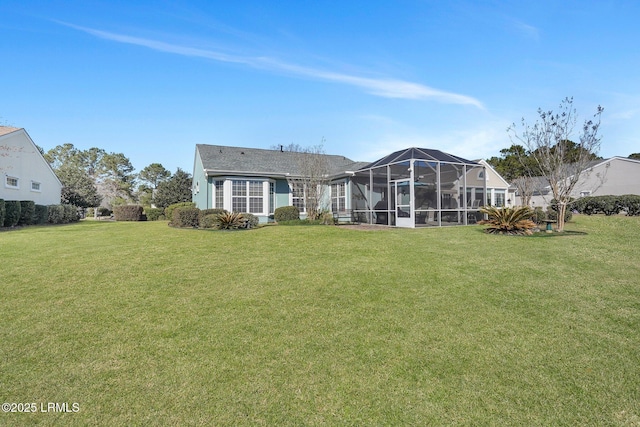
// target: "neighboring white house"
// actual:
[[615, 176], [498, 191], [25, 173]]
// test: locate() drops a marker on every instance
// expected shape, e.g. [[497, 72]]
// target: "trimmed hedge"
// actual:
[[12, 213], [128, 213], [286, 213], [608, 205], [168, 211], [186, 216], [62, 214], [55, 214], [41, 214], [154, 214], [1, 212], [27, 212]]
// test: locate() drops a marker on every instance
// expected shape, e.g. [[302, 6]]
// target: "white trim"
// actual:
[[39, 185]]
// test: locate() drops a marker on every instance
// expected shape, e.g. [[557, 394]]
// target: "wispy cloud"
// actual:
[[527, 30], [383, 87]]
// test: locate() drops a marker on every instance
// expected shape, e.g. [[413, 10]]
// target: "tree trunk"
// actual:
[[562, 208]]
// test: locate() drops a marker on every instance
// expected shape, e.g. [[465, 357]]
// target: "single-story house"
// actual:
[[25, 173], [414, 187], [614, 176]]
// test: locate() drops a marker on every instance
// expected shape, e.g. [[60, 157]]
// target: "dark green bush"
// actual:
[[62, 214], [127, 213], [41, 214], [2, 212], [552, 211], [27, 212], [206, 212], [286, 213], [631, 204], [168, 211], [11, 213], [552, 215], [102, 211], [186, 216], [252, 221], [608, 205], [153, 214]]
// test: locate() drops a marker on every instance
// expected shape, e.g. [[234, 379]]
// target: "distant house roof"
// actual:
[[220, 159], [7, 129], [421, 154]]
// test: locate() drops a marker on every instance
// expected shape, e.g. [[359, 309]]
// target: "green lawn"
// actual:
[[142, 324]]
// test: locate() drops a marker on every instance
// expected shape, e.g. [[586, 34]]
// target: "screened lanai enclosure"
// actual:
[[419, 187]]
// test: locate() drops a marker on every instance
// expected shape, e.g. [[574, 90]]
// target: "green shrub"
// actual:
[[230, 221], [252, 221], [286, 213], [208, 221], [27, 211], [631, 204], [70, 213], [168, 211], [552, 211], [11, 213], [153, 214], [539, 215], [186, 216], [102, 211], [127, 213], [62, 214], [55, 214], [206, 212], [2, 210], [41, 214]]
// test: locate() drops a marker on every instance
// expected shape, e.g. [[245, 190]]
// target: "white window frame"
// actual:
[[228, 197], [339, 196], [39, 186], [7, 185], [303, 207]]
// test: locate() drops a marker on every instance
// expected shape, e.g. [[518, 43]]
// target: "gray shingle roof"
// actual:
[[255, 161]]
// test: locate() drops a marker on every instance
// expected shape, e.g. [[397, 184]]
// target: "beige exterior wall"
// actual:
[[497, 187], [20, 160], [614, 177]]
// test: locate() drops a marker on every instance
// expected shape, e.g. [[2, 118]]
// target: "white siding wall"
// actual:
[[20, 159]]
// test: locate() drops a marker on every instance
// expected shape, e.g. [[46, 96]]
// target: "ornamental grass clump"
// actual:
[[508, 220]]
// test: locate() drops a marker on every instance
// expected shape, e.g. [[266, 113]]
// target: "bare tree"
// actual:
[[526, 187], [558, 159], [313, 176]]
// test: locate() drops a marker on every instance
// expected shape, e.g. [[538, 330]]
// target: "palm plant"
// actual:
[[230, 221], [508, 220]]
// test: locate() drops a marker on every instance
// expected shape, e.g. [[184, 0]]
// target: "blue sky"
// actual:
[[152, 79]]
